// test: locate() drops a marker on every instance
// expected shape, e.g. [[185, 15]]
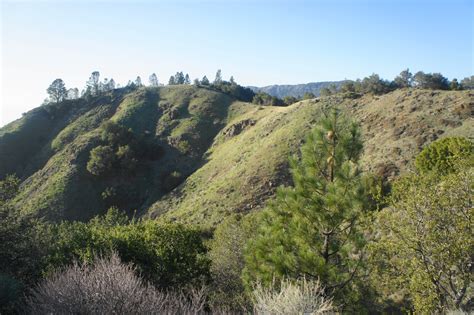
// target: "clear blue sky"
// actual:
[[258, 42]]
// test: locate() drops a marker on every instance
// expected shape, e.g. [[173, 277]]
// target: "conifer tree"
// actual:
[[218, 79], [57, 91], [205, 80], [153, 80], [313, 229]]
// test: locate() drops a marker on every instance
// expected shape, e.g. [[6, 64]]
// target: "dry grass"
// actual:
[[292, 297]]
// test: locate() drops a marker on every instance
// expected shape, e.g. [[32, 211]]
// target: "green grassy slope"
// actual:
[[244, 169], [181, 119], [32, 140], [220, 155]]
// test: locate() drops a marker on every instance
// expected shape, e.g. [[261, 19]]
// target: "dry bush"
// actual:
[[108, 287], [292, 297]]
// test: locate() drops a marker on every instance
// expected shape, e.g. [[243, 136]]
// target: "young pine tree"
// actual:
[[312, 230]]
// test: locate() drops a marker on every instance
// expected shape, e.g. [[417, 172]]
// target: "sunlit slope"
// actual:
[[219, 155], [249, 156]]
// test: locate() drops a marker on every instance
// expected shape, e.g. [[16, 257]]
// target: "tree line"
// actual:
[[373, 84], [58, 92], [421, 80]]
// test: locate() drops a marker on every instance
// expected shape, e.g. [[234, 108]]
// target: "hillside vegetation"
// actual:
[[249, 157], [51, 146], [191, 191], [217, 155]]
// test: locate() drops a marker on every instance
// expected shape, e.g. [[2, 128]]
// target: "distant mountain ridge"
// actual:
[[296, 90]]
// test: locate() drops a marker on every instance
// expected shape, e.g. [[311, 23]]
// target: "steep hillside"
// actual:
[[296, 90], [248, 159], [217, 155], [181, 120]]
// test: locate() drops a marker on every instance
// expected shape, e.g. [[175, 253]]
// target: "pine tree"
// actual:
[[205, 80], [179, 78], [218, 79], [153, 80], [312, 230], [92, 85], [57, 91], [138, 82]]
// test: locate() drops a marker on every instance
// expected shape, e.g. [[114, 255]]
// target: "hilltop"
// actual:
[[218, 155]]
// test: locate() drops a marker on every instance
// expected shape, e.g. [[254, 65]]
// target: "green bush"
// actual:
[[102, 160], [9, 187], [441, 156], [168, 255], [424, 244], [115, 134], [121, 150], [227, 260]]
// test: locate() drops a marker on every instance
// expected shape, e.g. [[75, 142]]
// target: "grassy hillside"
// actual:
[[218, 156], [182, 120], [244, 168]]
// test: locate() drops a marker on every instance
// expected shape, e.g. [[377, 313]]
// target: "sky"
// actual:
[[259, 42]]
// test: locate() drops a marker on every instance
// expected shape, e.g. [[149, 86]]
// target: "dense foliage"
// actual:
[[424, 242], [443, 155], [121, 150], [167, 255], [227, 260]]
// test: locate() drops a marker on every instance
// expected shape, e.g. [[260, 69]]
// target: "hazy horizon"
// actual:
[[260, 43]]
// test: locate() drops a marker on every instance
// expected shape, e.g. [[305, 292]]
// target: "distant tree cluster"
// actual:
[[375, 85], [179, 78], [228, 87], [57, 91], [266, 99]]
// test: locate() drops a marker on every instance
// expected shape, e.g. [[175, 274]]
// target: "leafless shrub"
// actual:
[[292, 297], [108, 287]]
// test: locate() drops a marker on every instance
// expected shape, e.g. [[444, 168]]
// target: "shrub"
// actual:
[[167, 255], [424, 242], [115, 134], [102, 159], [227, 260], [292, 297], [121, 149], [106, 287], [9, 187], [288, 100], [441, 156], [265, 99]]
